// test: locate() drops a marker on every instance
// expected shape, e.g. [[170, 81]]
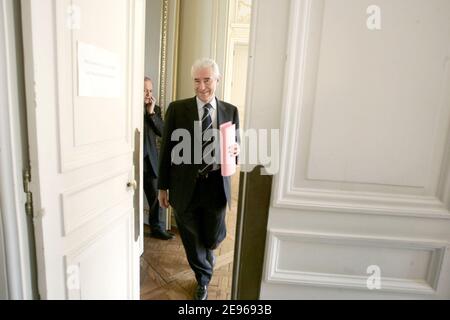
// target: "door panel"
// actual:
[[364, 181], [96, 264], [83, 62], [94, 128]]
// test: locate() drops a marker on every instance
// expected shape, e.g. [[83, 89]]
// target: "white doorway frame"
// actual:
[[17, 229]]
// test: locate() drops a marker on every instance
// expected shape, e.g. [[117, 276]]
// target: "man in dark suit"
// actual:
[[153, 127], [195, 187]]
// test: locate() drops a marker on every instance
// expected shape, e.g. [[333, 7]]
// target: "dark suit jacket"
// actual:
[[180, 179], [153, 127]]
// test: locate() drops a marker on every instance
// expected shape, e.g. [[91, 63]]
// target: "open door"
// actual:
[[84, 73], [361, 203]]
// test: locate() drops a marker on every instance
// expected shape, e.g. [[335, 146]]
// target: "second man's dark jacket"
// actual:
[[153, 128]]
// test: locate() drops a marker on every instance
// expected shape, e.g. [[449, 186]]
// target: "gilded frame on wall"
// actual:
[[170, 20], [169, 51]]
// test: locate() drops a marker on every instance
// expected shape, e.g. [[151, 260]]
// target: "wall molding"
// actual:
[[275, 274], [73, 256], [75, 220], [71, 155], [362, 203], [429, 201]]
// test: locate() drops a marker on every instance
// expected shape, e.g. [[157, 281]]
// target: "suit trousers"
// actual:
[[157, 218], [202, 225]]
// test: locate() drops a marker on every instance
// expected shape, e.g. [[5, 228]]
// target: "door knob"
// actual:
[[132, 184]]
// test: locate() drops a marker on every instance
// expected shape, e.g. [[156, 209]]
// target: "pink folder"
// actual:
[[227, 139]]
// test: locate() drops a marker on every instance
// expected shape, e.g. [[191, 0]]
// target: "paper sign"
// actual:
[[227, 140], [99, 72]]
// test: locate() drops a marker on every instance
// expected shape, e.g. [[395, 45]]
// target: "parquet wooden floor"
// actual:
[[166, 274]]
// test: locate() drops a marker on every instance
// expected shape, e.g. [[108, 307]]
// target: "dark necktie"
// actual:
[[207, 138]]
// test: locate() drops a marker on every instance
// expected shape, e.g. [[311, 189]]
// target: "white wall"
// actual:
[[364, 176], [195, 37], [202, 34], [153, 42]]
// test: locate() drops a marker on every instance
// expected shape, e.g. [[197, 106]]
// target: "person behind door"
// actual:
[[153, 127], [196, 190]]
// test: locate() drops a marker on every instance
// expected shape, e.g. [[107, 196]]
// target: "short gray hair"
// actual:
[[205, 63], [148, 79]]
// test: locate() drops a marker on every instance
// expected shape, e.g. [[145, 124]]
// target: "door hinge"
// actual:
[[26, 188]]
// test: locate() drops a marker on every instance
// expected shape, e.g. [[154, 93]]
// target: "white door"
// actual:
[[84, 71], [361, 203]]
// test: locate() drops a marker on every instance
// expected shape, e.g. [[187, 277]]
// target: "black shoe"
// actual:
[[162, 235], [211, 258], [201, 293]]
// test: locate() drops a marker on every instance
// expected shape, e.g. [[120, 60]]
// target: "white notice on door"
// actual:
[[99, 72]]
